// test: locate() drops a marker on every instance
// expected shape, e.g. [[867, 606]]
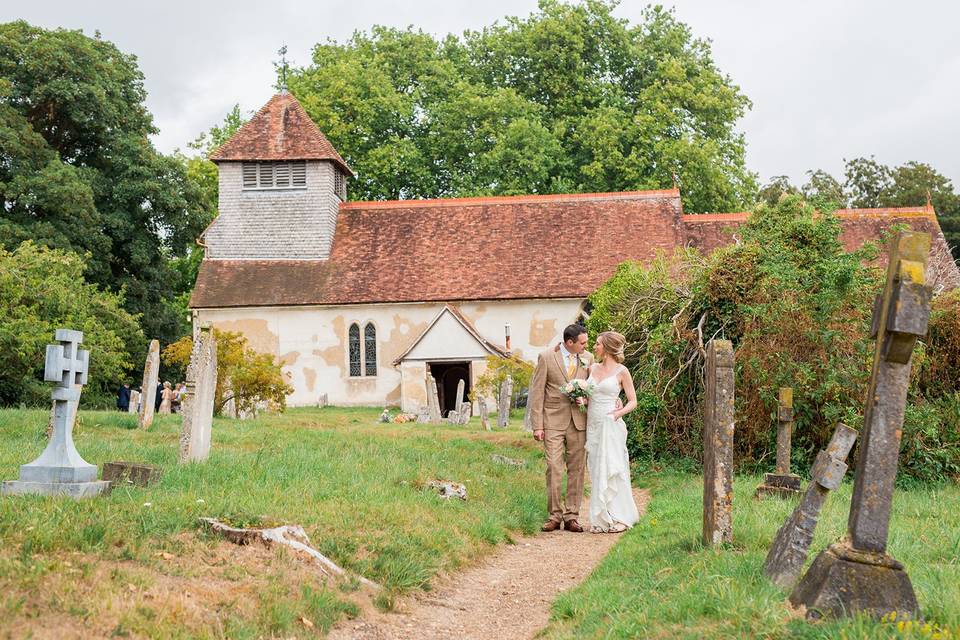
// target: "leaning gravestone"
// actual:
[[461, 390], [60, 470], [484, 413], [197, 403], [433, 400], [718, 444], [782, 483], [148, 390], [857, 575], [789, 549]]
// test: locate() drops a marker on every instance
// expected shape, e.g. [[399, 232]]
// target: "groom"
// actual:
[[561, 426]]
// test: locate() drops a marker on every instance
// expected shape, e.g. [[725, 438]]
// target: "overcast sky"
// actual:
[[828, 80]]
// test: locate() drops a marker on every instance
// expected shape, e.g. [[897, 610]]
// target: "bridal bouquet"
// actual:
[[577, 389]]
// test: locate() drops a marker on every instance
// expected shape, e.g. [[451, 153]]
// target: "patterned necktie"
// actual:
[[572, 366]]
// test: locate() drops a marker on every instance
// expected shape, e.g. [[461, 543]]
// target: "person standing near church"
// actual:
[[123, 397], [166, 401]]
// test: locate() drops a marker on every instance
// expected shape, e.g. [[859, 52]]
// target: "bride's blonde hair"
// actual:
[[613, 344]]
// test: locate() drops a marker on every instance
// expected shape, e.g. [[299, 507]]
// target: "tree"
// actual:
[[823, 190], [79, 172], [42, 290], [251, 379], [569, 99], [778, 187]]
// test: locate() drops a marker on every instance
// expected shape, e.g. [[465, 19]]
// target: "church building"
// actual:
[[363, 302]]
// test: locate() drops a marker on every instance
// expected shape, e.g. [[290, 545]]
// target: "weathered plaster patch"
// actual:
[[310, 377], [542, 331], [403, 333], [289, 358], [257, 333], [336, 355], [393, 398]]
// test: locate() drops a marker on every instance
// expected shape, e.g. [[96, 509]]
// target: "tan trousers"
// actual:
[[565, 450]]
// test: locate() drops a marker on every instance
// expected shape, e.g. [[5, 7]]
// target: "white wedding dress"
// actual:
[[611, 496]]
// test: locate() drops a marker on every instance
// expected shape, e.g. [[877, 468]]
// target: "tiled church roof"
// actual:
[[512, 247], [281, 130], [560, 246]]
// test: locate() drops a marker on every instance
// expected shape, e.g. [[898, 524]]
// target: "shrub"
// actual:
[[489, 383], [797, 308], [249, 378]]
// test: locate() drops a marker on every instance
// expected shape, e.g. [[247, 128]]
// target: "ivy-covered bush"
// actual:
[[797, 308]]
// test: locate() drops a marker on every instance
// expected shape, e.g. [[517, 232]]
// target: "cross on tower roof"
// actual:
[[283, 68], [66, 364]]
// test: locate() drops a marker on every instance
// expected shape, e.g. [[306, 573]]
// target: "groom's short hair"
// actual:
[[572, 332]]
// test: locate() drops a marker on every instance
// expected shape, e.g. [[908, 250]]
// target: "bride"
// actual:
[[612, 508]]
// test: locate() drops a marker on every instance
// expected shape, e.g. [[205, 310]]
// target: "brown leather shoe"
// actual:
[[573, 525], [550, 525]]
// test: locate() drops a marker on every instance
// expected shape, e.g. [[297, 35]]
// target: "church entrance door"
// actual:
[[448, 375]]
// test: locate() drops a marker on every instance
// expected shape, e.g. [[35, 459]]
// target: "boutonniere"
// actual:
[[581, 362]]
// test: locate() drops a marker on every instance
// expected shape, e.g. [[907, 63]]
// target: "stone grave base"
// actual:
[[783, 486], [73, 489], [842, 581]]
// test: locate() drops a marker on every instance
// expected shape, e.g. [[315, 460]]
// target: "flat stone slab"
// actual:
[[123, 473], [780, 485], [76, 490]]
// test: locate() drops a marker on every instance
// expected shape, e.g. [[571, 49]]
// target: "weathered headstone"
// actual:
[[461, 389], [506, 397], [323, 400], [60, 470], [527, 419], [790, 546], [857, 575], [484, 413], [197, 403], [433, 400], [718, 444], [148, 390], [782, 483], [134, 401]]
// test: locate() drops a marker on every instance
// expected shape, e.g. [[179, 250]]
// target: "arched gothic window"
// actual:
[[370, 349], [355, 350]]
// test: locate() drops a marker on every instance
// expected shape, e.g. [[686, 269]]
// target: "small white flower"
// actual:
[[148, 504], [201, 501]]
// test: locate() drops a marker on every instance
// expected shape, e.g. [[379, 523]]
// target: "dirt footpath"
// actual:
[[508, 595]]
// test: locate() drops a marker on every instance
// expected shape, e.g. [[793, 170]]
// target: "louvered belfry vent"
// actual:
[[275, 175]]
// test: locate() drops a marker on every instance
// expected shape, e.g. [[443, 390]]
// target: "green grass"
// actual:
[[660, 582], [354, 484]]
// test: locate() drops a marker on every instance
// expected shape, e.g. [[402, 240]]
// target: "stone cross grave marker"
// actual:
[[148, 390], [506, 396], [857, 575], [197, 404], [782, 483], [790, 546], [60, 470], [718, 444]]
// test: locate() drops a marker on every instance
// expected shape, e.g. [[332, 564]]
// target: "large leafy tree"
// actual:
[[569, 98], [78, 172]]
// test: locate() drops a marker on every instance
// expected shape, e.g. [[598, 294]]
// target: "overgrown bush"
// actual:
[[490, 381], [797, 308], [251, 379], [42, 290]]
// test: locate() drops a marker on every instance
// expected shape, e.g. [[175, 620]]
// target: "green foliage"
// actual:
[[498, 369], [80, 173], [42, 290], [568, 99], [251, 379]]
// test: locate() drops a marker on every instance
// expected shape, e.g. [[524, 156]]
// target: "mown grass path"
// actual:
[[507, 595]]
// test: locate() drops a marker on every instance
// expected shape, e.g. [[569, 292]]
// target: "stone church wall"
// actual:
[[311, 342]]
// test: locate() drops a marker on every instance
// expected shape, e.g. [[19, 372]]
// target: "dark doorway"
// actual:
[[448, 375]]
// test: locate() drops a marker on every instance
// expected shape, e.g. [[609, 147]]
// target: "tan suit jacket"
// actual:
[[549, 408]]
